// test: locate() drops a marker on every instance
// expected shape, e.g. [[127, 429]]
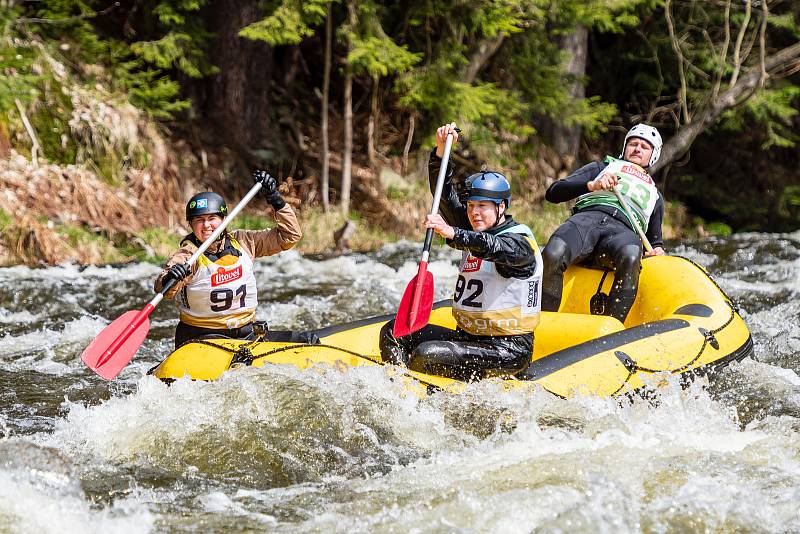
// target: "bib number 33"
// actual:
[[637, 192]]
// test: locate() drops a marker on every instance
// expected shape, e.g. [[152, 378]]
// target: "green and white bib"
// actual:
[[635, 185]]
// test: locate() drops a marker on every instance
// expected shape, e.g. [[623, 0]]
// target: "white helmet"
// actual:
[[649, 134]]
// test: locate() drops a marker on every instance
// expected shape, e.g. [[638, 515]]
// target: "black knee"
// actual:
[[442, 358], [629, 260], [626, 281], [554, 262], [554, 256]]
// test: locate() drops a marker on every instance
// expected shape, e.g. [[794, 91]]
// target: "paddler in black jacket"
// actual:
[[497, 298], [599, 231]]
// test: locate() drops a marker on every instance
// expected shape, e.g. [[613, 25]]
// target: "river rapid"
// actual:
[[348, 450]]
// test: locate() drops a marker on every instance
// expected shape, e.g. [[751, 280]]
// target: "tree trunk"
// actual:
[[347, 156], [373, 117], [238, 97], [409, 140], [566, 139], [483, 52], [326, 83]]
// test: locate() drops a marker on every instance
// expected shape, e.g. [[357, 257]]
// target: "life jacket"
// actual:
[[634, 184], [222, 293], [488, 304]]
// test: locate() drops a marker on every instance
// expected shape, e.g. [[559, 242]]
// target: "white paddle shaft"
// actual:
[[647, 246]]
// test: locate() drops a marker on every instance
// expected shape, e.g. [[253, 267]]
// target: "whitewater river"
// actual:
[[332, 450]]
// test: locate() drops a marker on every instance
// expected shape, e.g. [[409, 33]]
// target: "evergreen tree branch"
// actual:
[[83, 16]]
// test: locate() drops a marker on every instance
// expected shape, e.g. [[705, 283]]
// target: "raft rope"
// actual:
[[709, 338], [245, 356]]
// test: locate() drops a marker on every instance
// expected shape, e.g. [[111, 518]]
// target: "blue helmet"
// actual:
[[486, 185]]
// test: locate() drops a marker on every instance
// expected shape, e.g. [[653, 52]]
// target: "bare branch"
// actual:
[[31, 133], [657, 64], [681, 73], [723, 55], [737, 60], [746, 86], [66, 20]]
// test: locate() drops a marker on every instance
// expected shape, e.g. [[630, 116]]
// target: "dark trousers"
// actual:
[[607, 242], [456, 354]]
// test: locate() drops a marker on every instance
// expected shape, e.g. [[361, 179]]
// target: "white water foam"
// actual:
[[16, 317], [594, 479], [41, 350], [357, 452], [38, 493], [78, 275]]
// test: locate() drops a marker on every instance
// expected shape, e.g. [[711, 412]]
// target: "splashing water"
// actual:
[[350, 450]]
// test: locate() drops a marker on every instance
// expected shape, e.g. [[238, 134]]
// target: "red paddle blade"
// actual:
[[105, 355], [414, 313]]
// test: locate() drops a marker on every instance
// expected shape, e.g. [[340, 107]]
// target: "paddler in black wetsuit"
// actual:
[[498, 292], [600, 231]]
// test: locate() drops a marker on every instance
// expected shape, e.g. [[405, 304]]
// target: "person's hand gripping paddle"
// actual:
[[417, 302], [114, 347]]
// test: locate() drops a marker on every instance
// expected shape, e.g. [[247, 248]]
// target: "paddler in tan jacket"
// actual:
[[217, 296]]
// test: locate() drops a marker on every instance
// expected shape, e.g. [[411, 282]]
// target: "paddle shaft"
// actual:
[[426, 247], [145, 312], [647, 246]]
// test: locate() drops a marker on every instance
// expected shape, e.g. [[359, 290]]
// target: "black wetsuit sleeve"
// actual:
[[511, 253], [573, 185], [654, 225], [450, 207]]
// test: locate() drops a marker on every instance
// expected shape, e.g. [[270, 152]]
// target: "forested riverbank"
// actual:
[[114, 113]]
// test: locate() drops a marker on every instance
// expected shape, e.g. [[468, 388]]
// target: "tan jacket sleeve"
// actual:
[[284, 236], [181, 256]]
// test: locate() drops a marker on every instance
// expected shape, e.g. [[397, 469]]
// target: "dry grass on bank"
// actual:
[[55, 214], [319, 227]]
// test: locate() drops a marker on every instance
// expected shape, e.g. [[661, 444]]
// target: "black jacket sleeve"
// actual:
[[654, 224], [511, 253], [450, 207], [574, 185]]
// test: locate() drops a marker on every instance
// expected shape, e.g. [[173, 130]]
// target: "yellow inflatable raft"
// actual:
[[682, 323]]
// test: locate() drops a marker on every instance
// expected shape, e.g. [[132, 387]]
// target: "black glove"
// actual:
[[269, 186], [177, 272]]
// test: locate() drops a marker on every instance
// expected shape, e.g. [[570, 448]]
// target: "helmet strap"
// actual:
[[497, 211]]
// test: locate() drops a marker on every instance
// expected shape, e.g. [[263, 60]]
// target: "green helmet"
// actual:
[[206, 203]]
